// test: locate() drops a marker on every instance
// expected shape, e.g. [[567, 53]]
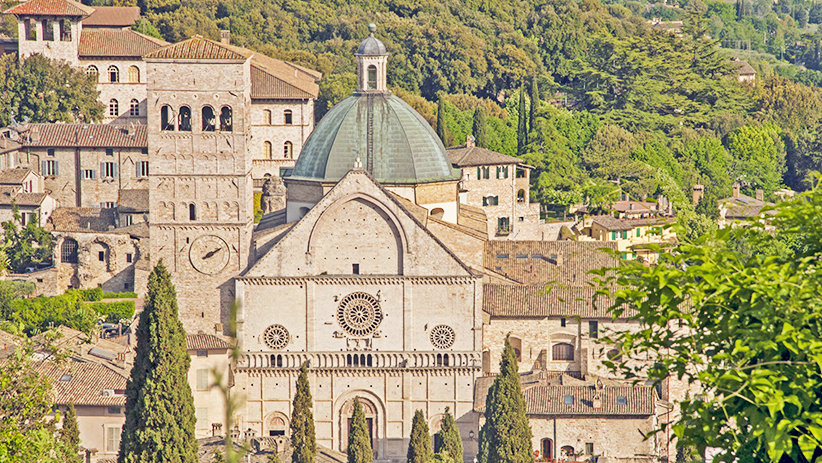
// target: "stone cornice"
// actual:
[[361, 371], [358, 280]]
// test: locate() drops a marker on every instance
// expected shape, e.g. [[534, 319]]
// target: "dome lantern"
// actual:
[[372, 62]]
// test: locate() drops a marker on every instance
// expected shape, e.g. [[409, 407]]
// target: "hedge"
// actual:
[[114, 311], [126, 295]]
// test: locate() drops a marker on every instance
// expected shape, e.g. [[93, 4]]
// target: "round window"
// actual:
[[276, 337], [442, 336], [359, 314]]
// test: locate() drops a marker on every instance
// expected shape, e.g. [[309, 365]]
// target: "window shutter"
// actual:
[[138, 166], [202, 380], [102, 170], [479, 173], [116, 168], [496, 200], [506, 171], [497, 171], [43, 168], [56, 168], [484, 201]]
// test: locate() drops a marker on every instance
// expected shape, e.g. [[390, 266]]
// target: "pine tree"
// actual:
[[419, 447], [532, 116], [522, 124], [160, 408], [442, 127], [506, 434], [480, 128], [359, 442], [303, 438], [70, 436], [450, 440]]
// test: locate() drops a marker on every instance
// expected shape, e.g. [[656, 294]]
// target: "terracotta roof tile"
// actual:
[[107, 16], [743, 207], [624, 400], [83, 383], [116, 42], [198, 47], [538, 262], [81, 219], [499, 300], [133, 200], [50, 8], [205, 342], [461, 156], [21, 199], [611, 223], [14, 176], [265, 84], [85, 136]]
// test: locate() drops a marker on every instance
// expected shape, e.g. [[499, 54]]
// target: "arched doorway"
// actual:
[[547, 449], [371, 422], [276, 424]]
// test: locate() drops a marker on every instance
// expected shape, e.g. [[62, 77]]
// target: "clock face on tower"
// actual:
[[209, 254]]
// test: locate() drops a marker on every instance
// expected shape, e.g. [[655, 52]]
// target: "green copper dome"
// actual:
[[392, 140]]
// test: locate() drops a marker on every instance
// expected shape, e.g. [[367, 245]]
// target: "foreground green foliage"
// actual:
[[744, 326], [70, 436], [359, 441], [24, 246], [159, 406], [506, 433], [419, 445], [303, 437], [450, 442]]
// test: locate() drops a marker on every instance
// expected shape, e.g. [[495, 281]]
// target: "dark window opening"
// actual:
[[48, 30], [184, 119], [276, 432], [209, 121], [593, 329], [166, 118], [563, 352], [101, 256], [372, 77], [31, 29], [226, 122], [276, 360], [289, 117], [192, 212], [356, 269], [109, 152], [129, 258], [562, 322], [68, 251], [65, 30]]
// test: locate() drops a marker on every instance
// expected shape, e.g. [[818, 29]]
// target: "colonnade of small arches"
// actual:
[[182, 119], [113, 74], [361, 360]]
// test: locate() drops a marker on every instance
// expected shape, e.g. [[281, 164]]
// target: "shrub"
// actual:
[[123, 295], [113, 311]]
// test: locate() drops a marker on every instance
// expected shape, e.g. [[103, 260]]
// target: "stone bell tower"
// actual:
[[372, 63]]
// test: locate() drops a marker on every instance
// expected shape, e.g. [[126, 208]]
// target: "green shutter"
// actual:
[[479, 173], [637, 232]]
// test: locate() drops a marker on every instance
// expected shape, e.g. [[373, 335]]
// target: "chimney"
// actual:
[[225, 37], [736, 190], [698, 192], [559, 259], [470, 141], [760, 195], [34, 135]]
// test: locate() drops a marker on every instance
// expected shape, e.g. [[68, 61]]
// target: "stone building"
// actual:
[[24, 188], [209, 354]]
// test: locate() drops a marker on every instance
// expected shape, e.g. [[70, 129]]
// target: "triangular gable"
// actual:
[[50, 8], [198, 47], [423, 253]]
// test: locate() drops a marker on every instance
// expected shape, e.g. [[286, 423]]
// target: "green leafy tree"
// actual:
[[758, 157], [159, 406], [442, 126], [303, 438], [450, 442], [25, 245], [532, 112], [479, 128], [359, 441], [743, 328], [506, 434], [419, 446], [274, 457], [70, 436], [522, 124]]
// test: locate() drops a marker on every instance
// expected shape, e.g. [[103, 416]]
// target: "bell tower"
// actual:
[[372, 63]]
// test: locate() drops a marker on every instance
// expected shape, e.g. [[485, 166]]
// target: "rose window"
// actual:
[[359, 314], [276, 337], [442, 336]]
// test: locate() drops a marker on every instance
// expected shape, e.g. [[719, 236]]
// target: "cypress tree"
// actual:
[[160, 409], [532, 116], [442, 127], [506, 434], [522, 124], [480, 128], [419, 447], [450, 440], [303, 438], [70, 436], [359, 442]]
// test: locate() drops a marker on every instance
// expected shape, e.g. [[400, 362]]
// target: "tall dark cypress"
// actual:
[[506, 434], [532, 114], [303, 438], [160, 417], [522, 123], [442, 127], [419, 447], [480, 128], [70, 436], [359, 441], [450, 440]]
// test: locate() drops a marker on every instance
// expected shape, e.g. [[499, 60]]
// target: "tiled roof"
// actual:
[[108, 16], [745, 69], [9, 342], [538, 262], [81, 219], [550, 400], [86, 136], [265, 85], [499, 300], [205, 342], [21, 199], [14, 176], [611, 223], [86, 383], [743, 207], [116, 42], [634, 206], [50, 8], [198, 47], [133, 200], [462, 156]]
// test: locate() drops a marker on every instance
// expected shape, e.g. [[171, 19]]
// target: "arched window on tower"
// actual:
[[267, 150], [113, 74], [113, 108], [521, 196], [226, 122], [192, 212], [267, 117], [68, 251], [93, 72], [209, 120], [134, 74], [134, 108], [288, 150], [372, 78], [184, 119], [166, 118]]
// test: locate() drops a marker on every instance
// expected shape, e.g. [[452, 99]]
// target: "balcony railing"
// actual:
[[361, 359]]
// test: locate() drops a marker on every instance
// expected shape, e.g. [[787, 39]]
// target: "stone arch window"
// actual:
[[521, 196], [226, 121], [267, 117], [68, 251], [184, 119], [209, 120], [567, 451], [437, 212], [443, 360], [277, 360], [547, 449], [288, 117], [288, 150], [113, 74], [563, 352], [266, 150], [65, 30], [134, 107], [166, 118], [134, 74], [372, 78], [516, 343], [359, 360], [276, 424], [192, 212], [113, 108], [371, 422], [93, 71]]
